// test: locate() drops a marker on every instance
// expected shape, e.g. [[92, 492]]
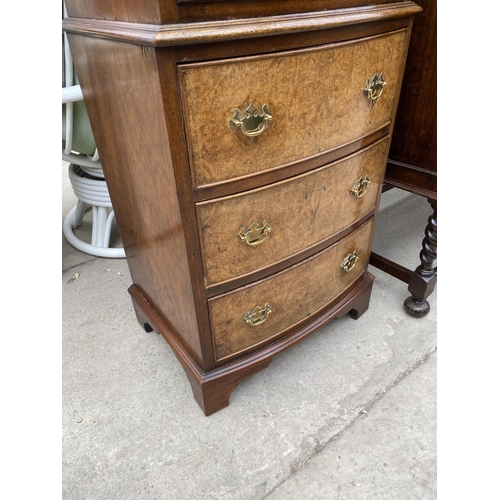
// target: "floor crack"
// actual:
[[70, 268], [363, 411]]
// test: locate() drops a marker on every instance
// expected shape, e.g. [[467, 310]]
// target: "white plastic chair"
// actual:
[[85, 173]]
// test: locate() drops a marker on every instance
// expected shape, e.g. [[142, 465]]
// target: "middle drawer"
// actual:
[[253, 230]]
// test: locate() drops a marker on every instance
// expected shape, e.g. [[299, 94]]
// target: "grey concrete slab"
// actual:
[[389, 452], [131, 428]]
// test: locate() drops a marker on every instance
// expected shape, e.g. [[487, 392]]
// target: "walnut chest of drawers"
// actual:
[[244, 144]]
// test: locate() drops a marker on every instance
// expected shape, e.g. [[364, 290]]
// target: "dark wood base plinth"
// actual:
[[212, 389]]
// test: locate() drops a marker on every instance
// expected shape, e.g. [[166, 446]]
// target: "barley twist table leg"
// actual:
[[423, 280]]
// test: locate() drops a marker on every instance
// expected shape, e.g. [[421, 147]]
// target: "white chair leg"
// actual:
[[113, 253], [94, 193], [79, 213], [99, 219], [109, 224]]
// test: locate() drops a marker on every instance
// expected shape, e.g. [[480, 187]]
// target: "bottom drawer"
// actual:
[[263, 311]]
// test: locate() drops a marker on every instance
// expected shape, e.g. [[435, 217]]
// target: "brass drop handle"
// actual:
[[255, 234], [374, 87], [361, 187], [349, 262], [257, 315], [251, 122]]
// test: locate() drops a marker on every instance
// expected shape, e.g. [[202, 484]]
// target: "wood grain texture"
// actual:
[[145, 11], [411, 178], [301, 211], [315, 96], [412, 164], [415, 131], [283, 172], [121, 89], [231, 9], [294, 295], [163, 11], [268, 44], [173, 118], [181, 34]]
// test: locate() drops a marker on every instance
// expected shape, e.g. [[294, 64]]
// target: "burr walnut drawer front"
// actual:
[[268, 309], [251, 114], [257, 228]]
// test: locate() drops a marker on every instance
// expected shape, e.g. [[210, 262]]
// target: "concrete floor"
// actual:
[[349, 413]]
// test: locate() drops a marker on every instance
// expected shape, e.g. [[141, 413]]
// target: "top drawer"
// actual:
[[315, 97]]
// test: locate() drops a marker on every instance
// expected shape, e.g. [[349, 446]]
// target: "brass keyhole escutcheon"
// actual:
[[374, 87], [349, 262], [255, 234], [257, 315], [361, 187], [251, 122]]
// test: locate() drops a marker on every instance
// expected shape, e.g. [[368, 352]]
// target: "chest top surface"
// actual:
[[180, 11]]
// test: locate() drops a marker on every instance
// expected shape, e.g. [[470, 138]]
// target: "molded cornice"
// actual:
[[169, 35]]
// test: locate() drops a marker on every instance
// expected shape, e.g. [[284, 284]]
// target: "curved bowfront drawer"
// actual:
[[268, 309], [251, 114], [255, 229]]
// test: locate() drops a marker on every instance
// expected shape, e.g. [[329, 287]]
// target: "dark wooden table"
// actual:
[[412, 163]]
